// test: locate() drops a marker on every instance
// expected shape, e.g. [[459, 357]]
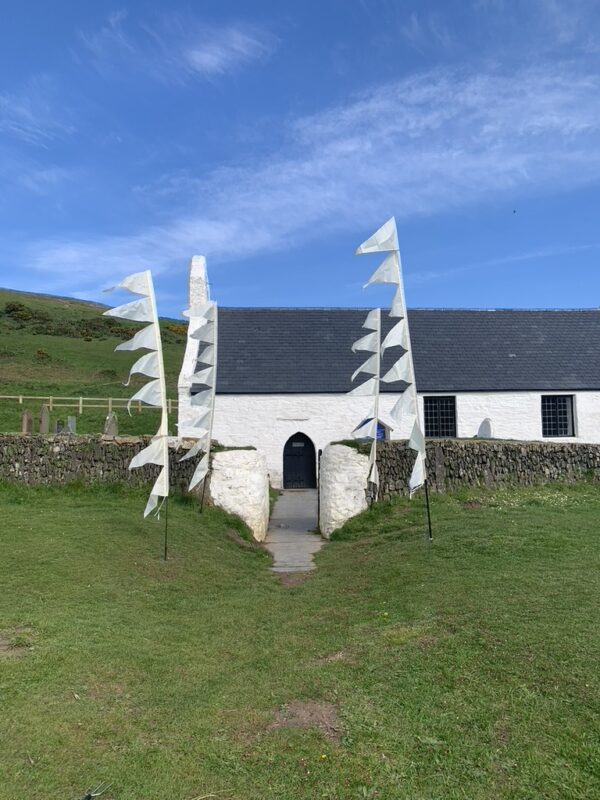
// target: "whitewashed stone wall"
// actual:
[[239, 484], [267, 421], [344, 474]]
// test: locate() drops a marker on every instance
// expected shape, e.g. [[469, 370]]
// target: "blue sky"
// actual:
[[274, 136]]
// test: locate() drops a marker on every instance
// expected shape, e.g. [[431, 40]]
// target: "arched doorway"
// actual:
[[299, 463]]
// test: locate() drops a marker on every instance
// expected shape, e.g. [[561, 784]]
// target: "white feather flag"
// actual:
[[385, 240], [203, 328], [368, 428], [151, 364]]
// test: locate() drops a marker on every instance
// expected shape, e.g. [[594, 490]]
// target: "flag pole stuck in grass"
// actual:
[[154, 392], [385, 240]]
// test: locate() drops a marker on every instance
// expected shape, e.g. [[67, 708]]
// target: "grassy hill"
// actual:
[[65, 347]]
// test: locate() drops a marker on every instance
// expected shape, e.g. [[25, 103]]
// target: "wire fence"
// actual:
[[82, 404]]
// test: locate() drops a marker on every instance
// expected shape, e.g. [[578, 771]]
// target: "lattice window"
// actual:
[[440, 417], [557, 415]]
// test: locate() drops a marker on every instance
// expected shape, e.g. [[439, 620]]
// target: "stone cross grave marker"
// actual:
[[111, 425], [27, 422], [72, 425], [44, 419]]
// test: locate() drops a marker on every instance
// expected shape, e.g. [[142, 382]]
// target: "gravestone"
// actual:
[[485, 429], [44, 419], [27, 422], [72, 425], [59, 426], [111, 425]]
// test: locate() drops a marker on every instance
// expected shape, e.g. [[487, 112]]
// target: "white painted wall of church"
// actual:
[[267, 421]]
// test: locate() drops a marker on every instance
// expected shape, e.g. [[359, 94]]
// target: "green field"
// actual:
[[65, 348], [466, 669]]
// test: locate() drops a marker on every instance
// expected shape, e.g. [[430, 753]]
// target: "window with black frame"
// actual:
[[557, 415], [440, 417]]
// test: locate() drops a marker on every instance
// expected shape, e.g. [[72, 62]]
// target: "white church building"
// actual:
[[283, 375]]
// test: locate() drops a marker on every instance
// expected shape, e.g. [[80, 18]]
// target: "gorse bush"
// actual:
[[22, 317]]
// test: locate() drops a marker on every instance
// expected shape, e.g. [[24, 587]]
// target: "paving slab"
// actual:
[[290, 539]]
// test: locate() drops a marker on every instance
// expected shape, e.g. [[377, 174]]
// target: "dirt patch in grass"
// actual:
[[309, 714], [335, 658], [290, 580], [472, 504], [16, 642]]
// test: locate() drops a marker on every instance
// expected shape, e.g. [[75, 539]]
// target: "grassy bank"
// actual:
[[466, 669], [62, 347]]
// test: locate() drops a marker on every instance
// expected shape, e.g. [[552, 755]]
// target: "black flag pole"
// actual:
[[428, 510], [204, 490], [166, 526]]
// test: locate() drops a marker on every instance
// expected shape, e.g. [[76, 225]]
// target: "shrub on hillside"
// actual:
[[19, 312]]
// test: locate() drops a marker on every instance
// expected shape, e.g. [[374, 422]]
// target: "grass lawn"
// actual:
[[467, 669]]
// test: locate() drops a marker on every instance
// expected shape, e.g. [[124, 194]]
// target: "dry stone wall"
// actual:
[[50, 460], [453, 463]]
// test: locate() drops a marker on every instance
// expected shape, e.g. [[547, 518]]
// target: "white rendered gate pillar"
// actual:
[[198, 295]]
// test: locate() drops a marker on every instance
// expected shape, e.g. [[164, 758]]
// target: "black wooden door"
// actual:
[[299, 467]]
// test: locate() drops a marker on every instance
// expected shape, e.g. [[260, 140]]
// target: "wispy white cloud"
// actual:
[[175, 49], [420, 29], [31, 114], [422, 145], [503, 261], [44, 180]]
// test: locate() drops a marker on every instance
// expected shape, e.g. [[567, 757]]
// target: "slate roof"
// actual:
[[291, 350]]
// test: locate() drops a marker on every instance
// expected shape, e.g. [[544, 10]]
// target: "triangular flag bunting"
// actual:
[[401, 371], [144, 339], [396, 337], [386, 238], [370, 343], [369, 387], [387, 272], [370, 366]]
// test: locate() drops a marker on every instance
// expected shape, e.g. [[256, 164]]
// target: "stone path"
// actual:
[[288, 538]]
